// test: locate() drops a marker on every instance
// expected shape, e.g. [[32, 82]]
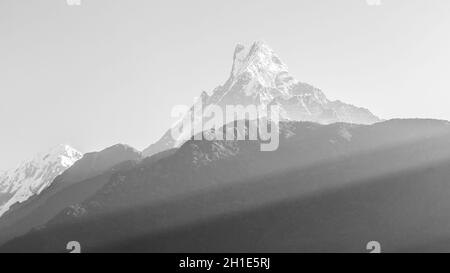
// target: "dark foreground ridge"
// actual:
[[328, 188]]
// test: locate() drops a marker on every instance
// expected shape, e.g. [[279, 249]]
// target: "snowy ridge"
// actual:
[[33, 176]]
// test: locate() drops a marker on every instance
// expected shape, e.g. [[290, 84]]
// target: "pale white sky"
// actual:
[[109, 71]]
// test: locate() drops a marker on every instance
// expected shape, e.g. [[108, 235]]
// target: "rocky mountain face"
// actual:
[[259, 77], [327, 188], [34, 176]]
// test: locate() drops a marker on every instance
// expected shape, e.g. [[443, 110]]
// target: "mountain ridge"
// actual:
[[203, 181]]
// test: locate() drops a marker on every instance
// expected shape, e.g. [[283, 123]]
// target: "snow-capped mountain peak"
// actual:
[[259, 77], [258, 69], [33, 176]]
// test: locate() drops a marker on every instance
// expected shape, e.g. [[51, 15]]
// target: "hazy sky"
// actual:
[[109, 71]]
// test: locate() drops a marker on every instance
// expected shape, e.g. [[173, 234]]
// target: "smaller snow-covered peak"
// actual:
[[62, 153], [62, 149], [33, 176]]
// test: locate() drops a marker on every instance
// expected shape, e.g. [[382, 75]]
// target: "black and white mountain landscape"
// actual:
[[357, 125], [341, 177]]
